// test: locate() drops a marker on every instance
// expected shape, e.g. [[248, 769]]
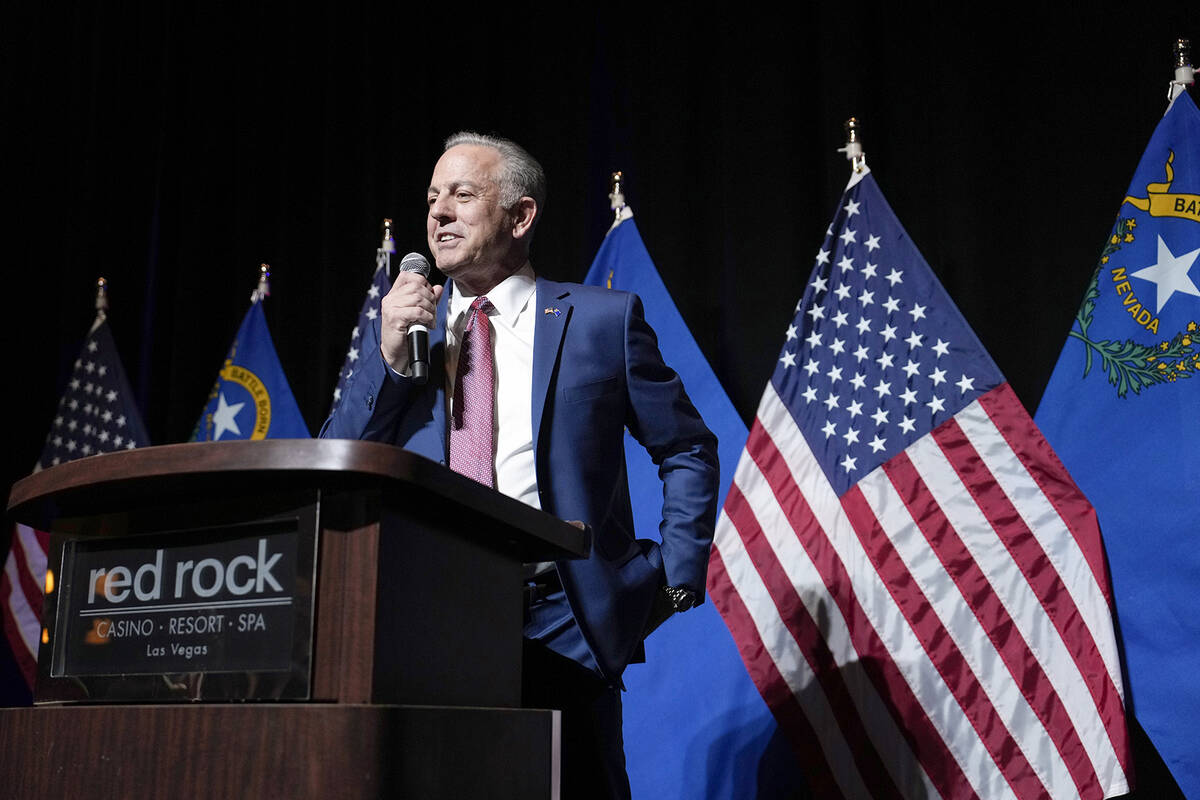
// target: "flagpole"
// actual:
[[854, 152], [1185, 75], [616, 200], [616, 197], [383, 256], [854, 149], [101, 304], [263, 289]]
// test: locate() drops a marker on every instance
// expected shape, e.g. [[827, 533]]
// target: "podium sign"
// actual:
[[225, 601], [219, 612]]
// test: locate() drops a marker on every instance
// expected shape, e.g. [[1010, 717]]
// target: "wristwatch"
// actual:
[[682, 599]]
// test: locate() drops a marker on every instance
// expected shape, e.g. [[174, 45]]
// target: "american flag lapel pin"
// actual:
[[551, 310]]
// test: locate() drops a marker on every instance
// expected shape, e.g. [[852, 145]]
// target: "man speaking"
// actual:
[[530, 385]]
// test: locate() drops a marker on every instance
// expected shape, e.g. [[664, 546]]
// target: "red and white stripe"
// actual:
[[944, 628], [21, 596]]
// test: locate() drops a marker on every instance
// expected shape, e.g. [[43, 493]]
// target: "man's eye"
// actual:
[[463, 195]]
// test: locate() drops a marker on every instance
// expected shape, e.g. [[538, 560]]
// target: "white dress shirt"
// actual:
[[512, 351]]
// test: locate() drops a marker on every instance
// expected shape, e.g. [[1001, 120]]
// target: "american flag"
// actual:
[[914, 582], [96, 414], [363, 340]]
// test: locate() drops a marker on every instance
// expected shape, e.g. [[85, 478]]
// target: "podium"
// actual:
[[283, 618]]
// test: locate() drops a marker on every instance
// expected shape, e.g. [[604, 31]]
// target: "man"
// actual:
[[564, 369]]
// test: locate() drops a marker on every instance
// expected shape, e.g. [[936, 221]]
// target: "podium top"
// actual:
[[111, 481]]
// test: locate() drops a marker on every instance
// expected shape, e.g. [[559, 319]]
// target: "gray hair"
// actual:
[[520, 176]]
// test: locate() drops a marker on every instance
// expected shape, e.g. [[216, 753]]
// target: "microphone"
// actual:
[[418, 335]]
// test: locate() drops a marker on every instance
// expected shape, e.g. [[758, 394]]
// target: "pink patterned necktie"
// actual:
[[472, 450]]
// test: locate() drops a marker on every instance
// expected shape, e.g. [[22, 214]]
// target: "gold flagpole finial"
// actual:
[[853, 149], [389, 244], [1185, 74], [383, 256], [616, 196], [264, 283], [101, 304], [616, 200], [101, 295], [1183, 53]]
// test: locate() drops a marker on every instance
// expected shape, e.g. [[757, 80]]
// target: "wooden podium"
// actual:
[[370, 647]]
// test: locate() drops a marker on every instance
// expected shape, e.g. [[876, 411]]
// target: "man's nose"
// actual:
[[440, 208]]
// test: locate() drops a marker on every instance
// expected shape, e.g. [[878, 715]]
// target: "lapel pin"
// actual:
[[553, 311]]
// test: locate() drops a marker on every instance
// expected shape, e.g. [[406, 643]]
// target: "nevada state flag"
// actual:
[[251, 398], [1122, 410]]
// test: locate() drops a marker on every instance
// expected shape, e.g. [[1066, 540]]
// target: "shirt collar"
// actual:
[[510, 296]]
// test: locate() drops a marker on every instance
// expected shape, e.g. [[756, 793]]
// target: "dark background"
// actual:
[[172, 147]]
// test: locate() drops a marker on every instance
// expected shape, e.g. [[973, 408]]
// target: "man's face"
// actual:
[[470, 234]]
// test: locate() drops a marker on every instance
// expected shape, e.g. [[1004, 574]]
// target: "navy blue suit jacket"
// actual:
[[596, 370]]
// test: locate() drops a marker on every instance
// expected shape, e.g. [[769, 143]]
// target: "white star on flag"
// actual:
[[225, 418], [1170, 274]]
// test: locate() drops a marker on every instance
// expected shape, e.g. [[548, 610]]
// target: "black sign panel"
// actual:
[[224, 601]]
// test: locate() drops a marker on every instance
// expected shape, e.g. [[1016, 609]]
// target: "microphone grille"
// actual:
[[415, 262]]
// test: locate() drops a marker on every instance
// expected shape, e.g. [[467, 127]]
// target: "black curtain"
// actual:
[[172, 147]]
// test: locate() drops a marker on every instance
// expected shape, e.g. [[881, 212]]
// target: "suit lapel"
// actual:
[[553, 312]]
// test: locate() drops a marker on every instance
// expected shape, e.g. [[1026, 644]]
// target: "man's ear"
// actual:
[[523, 214]]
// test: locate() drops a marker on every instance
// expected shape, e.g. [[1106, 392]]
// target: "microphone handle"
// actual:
[[418, 351]]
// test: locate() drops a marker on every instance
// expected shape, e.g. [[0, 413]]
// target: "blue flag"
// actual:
[[1122, 410], [694, 724], [251, 398], [363, 339]]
